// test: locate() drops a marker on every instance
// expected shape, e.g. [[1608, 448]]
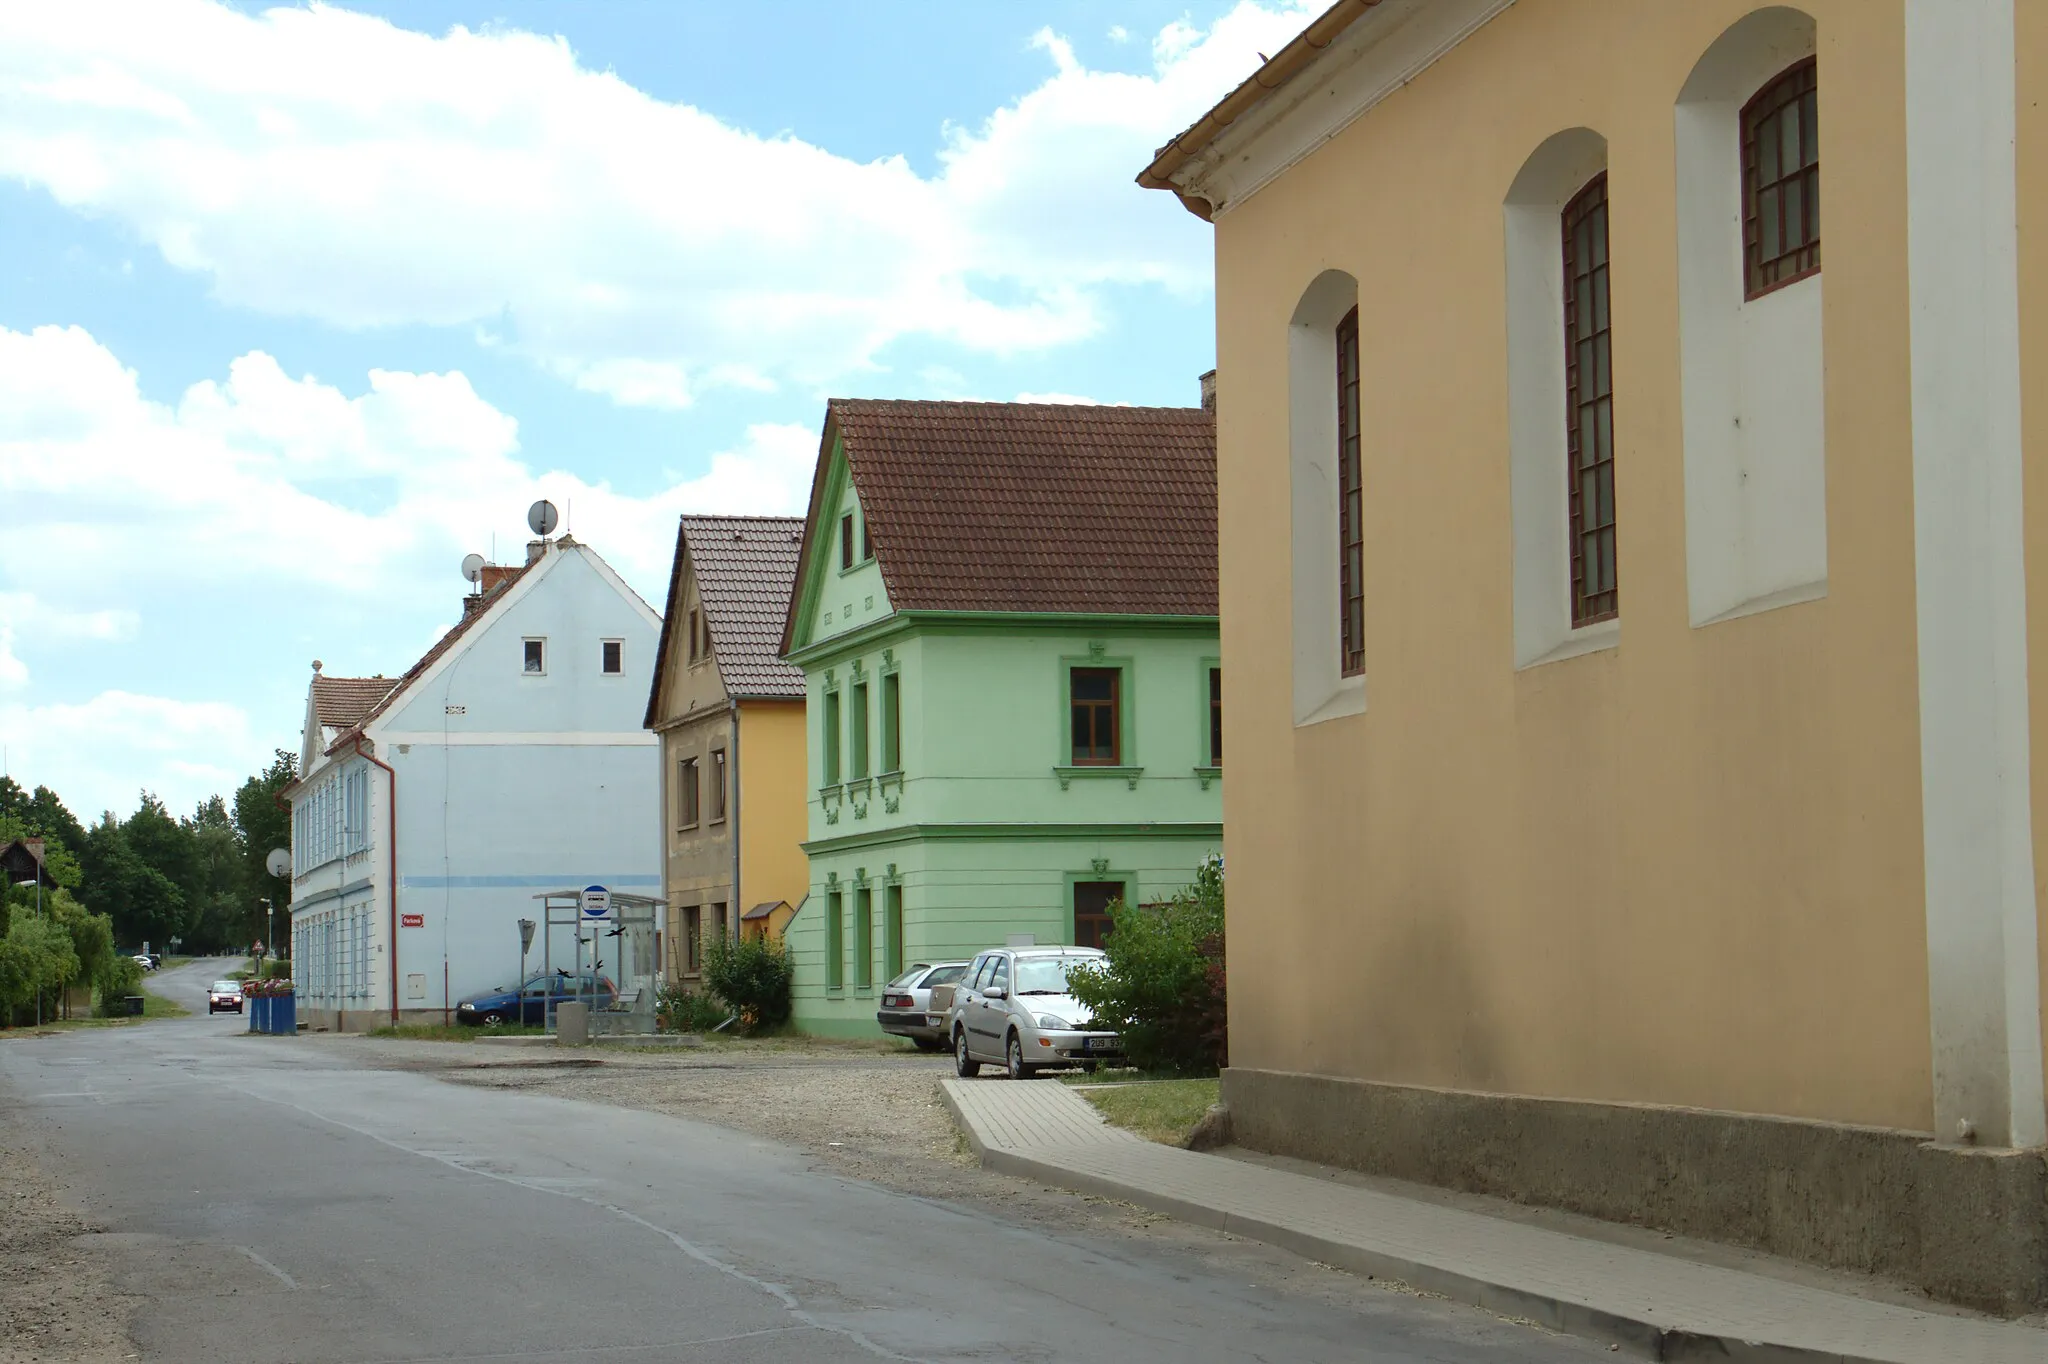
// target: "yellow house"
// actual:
[[730, 714], [1627, 621]]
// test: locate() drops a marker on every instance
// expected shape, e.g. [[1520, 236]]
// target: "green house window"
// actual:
[[846, 541], [835, 940], [1215, 717], [864, 938], [892, 931], [860, 730], [892, 723], [831, 727], [1096, 703]]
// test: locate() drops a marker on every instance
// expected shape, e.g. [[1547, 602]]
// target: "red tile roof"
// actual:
[[1032, 507], [505, 579], [745, 567], [339, 702]]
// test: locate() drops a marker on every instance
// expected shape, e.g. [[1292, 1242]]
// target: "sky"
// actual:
[[300, 304]]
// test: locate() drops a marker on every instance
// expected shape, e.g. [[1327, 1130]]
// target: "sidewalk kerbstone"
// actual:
[[1660, 1306]]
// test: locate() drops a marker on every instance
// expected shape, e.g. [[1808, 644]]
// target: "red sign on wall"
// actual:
[[413, 920]]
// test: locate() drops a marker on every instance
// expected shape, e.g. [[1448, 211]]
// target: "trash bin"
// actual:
[[134, 1003]]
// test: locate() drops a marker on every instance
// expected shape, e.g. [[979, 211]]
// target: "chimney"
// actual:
[[1208, 383], [534, 549], [472, 604]]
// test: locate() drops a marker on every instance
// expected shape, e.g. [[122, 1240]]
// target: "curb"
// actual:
[[1637, 1334]]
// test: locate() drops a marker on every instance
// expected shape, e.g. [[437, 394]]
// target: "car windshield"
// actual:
[[226, 987], [946, 975], [1044, 975]]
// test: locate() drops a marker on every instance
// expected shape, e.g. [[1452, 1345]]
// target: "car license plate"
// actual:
[[1100, 1043]]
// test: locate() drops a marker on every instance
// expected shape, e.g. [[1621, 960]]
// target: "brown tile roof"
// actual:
[[339, 702], [1033, 507], [505, 579], [745, 567]]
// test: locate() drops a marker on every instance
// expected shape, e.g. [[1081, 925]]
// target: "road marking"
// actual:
[[283, 1277]]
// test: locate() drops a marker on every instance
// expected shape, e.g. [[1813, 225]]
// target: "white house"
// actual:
[[508, 762]]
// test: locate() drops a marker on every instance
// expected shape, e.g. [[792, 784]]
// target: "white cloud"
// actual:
[[319, 163], [1119, 34], [128, 509], [240, 478], [99, 754]]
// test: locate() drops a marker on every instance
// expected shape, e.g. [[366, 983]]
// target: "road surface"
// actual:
[[285, 1199]]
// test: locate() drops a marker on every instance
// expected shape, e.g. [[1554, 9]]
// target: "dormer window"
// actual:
[[536, 657], [613, 656]]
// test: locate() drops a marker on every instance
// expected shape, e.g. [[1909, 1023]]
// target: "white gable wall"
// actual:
[[508, 784]]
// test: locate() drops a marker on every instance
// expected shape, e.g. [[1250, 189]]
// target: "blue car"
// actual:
[[530, 1002]]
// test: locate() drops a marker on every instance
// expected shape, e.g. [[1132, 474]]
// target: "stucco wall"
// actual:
[[1685, 870], [2031, 31], [772, 814]]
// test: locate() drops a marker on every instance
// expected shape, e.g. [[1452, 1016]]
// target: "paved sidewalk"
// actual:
[[1657, 1305]]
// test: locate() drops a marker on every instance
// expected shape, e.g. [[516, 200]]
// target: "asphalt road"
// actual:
[[276, 1199]]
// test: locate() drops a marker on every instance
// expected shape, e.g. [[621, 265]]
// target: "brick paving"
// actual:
[[1660, 1305]]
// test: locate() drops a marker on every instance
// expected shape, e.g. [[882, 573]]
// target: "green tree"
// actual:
[[262, 825], [216, 897], [1161, 986], [144, 904], [36, 960]]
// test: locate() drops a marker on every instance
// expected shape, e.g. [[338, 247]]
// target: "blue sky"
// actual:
[[298, 305]]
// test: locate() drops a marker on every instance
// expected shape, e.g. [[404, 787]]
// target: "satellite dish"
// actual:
[[279, 863], [542, 517], [472, 566]]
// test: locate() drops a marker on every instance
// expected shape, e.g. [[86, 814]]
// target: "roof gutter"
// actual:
[[1280, 68]]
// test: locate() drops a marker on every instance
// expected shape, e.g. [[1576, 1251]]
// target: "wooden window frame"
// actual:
[[892, 930], [1584, 398], [863, 937], [828, 736], [689, 799], [867, 544], [719, 778], [857, 763], [892, 723], [1796, 88], [846, 559], [835, 939], [693, 939], [1350, 504], [1215, 716], [1115, 709]]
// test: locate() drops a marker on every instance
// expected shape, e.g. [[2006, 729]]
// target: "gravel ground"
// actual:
[[56, 1305]]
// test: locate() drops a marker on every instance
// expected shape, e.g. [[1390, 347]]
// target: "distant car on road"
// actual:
[[1014, 1010], [907, 1003], [143, 960], [529, 1002], [224, 994]]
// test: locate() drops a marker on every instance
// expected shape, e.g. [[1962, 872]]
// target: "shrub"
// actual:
[[119, 977], [36, 958], [678, 1008], [1162, 986], [752, 975], [277, 968]]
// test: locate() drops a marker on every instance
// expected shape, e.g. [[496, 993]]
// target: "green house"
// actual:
[[1006, 618]]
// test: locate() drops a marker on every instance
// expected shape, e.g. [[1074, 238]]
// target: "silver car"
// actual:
[[907, 1003], [1013, 1010]]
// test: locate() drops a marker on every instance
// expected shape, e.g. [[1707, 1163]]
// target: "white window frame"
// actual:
[[601, 670], [542, 670]]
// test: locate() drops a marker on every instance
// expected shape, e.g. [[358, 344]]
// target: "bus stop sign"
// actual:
[[597, 902]]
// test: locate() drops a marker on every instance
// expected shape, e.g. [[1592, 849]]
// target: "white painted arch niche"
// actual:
[[1539, 487], [1321, 691], [1751, 372]]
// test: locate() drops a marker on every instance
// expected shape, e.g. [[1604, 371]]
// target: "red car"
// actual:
[[225, 994]]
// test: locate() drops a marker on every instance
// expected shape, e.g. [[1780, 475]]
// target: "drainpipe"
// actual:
[[738, 906], [391, 850]]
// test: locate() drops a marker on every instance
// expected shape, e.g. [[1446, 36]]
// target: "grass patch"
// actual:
[[1158, 1110], [455, 1032]]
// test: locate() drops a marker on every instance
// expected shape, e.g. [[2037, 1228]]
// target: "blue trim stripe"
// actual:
[[573, 884]]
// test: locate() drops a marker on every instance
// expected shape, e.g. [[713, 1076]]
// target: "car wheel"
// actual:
[[966, 1066], [927, 1044], [1013, 1058], [493, 1019]]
